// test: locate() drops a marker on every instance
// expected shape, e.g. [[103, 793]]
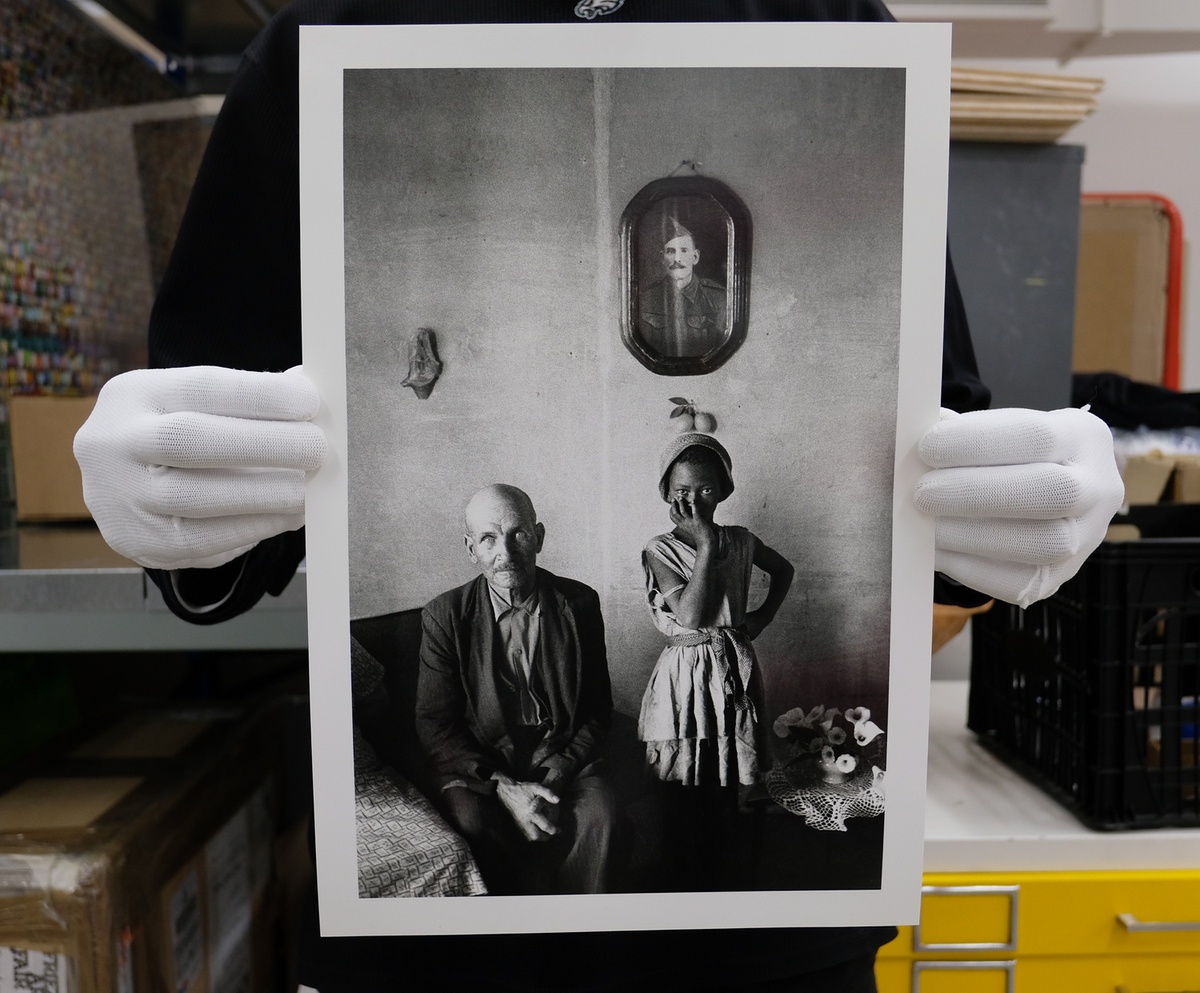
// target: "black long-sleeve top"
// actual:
[[231, 297]]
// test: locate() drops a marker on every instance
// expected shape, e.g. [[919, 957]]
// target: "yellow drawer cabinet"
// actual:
[[1050, 932]]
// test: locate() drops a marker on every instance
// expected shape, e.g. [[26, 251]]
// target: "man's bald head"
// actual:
[[503, 537], [496, 495]]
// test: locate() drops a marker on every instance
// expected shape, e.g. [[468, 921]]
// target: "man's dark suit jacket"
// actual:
[[460, 717]]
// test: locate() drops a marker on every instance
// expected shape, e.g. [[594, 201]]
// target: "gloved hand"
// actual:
[[1021, 497], [189, 468]]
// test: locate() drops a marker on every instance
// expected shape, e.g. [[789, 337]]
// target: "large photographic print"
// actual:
[[619, 607]]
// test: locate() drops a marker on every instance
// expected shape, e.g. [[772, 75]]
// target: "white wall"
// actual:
[[1143, 137]]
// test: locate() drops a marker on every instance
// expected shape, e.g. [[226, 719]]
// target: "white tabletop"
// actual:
[[981, 816]]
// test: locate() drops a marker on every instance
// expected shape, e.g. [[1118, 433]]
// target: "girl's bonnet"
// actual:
[[692, 439]]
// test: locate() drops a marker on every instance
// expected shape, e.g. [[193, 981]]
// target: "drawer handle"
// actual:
[[920, 945], [1008, 968], [1132, 924]]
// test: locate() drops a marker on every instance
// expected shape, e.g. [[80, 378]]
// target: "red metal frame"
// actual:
[[1171, 350]]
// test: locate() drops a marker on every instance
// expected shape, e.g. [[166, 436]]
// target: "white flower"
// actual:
[[867, 732]]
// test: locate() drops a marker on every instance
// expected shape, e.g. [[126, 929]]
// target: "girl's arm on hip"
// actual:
[[780, 572]]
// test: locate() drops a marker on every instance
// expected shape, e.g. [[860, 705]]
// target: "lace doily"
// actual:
[[825, 806]]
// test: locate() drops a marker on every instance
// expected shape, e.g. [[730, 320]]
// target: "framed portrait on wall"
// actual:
[[685, 262], [622, 619]]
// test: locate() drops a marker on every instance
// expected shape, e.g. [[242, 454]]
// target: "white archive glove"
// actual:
[[189, 468], [1021, 497]]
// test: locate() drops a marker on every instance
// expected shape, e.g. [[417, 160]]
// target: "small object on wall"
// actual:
[[424, 366], [688, 418]]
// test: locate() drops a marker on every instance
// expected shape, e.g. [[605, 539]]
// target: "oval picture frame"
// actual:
[[685, 275]]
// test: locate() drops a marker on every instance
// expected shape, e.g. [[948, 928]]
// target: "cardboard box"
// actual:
[[140, 862], [1146, 477], [1187, 479], [45, 475], [1156, 477], [54, 546]]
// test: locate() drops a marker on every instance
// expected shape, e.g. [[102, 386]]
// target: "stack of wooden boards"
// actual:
[[993, 105]]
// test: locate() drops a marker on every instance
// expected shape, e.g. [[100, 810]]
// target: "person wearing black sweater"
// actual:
[[231, 298]]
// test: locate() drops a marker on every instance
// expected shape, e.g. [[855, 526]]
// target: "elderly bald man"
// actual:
[[513, 701]]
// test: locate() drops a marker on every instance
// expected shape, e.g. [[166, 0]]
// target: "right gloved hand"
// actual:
[[189, 468], [1021, 497]]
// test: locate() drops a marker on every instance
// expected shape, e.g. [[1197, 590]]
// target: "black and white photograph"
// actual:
[[685, 245], [623, 609]]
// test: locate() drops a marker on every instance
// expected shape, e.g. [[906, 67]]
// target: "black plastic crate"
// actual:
[[1092, 694]]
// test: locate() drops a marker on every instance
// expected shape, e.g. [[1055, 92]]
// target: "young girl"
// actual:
[[700, 712]]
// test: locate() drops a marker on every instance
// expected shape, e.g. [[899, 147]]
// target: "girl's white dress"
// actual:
[[699, 716]]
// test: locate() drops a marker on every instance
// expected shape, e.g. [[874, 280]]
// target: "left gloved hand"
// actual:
[[188, 468], [1021, 497]]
